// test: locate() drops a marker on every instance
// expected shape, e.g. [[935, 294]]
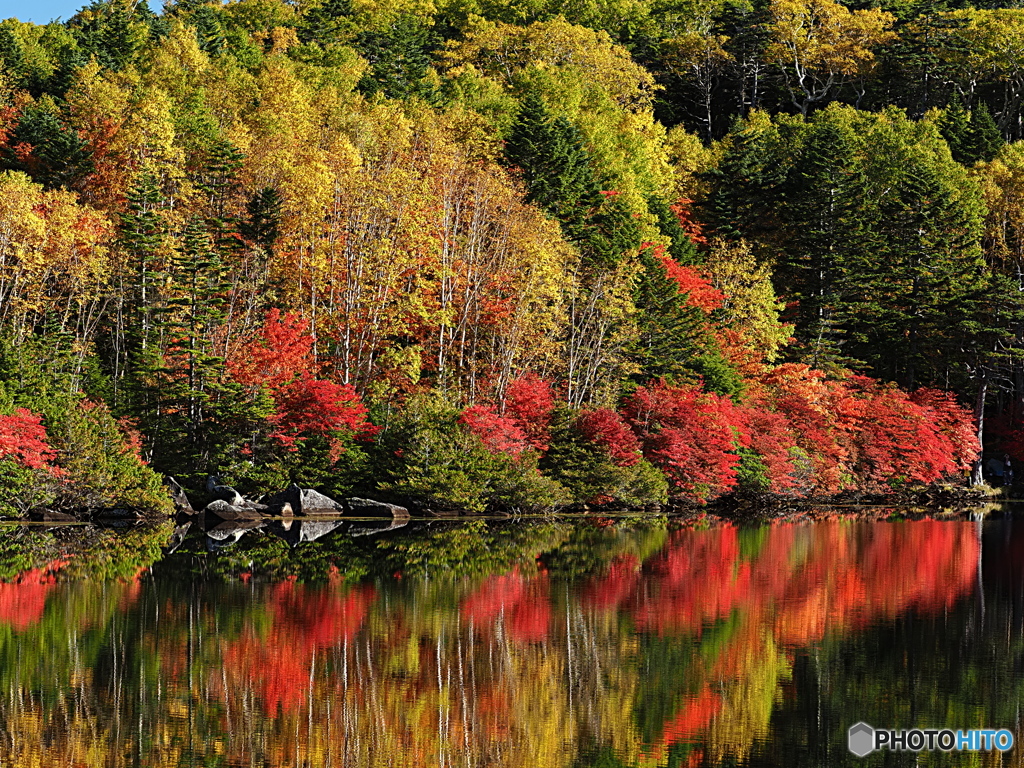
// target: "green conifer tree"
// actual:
[[821, 216], [673, 342], [399, 56], [985, 138], [681, 247]]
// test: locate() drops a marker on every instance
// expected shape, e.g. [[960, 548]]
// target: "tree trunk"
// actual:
[[979, 418]]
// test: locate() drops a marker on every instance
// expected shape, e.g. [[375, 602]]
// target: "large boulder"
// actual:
[[302, 501], [370, 508], [219, 509], [177, 537], [50, 516]]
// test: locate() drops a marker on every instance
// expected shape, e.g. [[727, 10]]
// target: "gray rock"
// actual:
[[315, 503], [383, 527], [310, 530], [177, 537], [227, 534], [303, 501], [370, 508], [221, 510], [223, 492], [178, 496]]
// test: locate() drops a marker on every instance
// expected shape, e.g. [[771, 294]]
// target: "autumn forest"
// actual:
[[473, 255]]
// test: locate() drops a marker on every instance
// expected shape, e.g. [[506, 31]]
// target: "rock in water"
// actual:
[[226, 534], [177, 538], [371, 508], [315, 503], [223, 492], [181, 502], [311, 531], [371, 529], [303, 501], [229, 513], [50, 516]]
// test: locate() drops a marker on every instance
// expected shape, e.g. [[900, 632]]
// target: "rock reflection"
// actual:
[[587, 644]]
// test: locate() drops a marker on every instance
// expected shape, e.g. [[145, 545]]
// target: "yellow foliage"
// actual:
[[819, 44]]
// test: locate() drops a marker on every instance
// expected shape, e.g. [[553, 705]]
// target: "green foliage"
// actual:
[[752, 474], [590, 475], [426, 456], [98, 454], [56, 155], [681, 246], [673, 340], [22, 489], [400, 58], [973, 136], [555, 167]]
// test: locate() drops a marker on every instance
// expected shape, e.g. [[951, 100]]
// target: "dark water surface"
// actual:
[[532, 643]]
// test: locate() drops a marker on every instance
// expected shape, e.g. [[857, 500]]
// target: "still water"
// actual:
[[562, 643]]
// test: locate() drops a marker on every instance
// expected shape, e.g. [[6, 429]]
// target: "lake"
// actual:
[[562, 642]]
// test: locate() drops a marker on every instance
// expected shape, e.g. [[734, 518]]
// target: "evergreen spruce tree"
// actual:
[[673, 342], [822, 226], [219, 180], [747, 182], [263, 222], [112, 31], [556, 168], [909, 285], [58, 156], [327, 22], [973, 135], [400, 57], [955, 128], [12, 57], [985, 138], [681, 248]]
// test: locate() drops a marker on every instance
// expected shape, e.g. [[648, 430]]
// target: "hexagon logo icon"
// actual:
[[861, 739]]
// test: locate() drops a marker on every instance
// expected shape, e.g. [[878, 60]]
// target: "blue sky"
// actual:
[[41, 11]]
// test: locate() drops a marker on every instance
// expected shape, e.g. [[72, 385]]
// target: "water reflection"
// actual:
[[544, 644]]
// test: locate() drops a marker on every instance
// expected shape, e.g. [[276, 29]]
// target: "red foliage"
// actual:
[[309, 406], [952, 420], [690, 225], [524, 605], [690, 435], [22, 602], [857, 430], [276, 663], [606, 428], [616, 586], [699, 292], [771, 437], [693, 717], [281, 360], [500, 434], [813, 406], [897, 438], [281, 353], [23, 439], [523, 421], [529, 402]]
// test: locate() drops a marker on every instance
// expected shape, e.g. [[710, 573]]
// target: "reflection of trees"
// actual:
[[663, 651]]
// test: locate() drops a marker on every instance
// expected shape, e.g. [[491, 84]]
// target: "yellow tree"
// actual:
[[820, 45]]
